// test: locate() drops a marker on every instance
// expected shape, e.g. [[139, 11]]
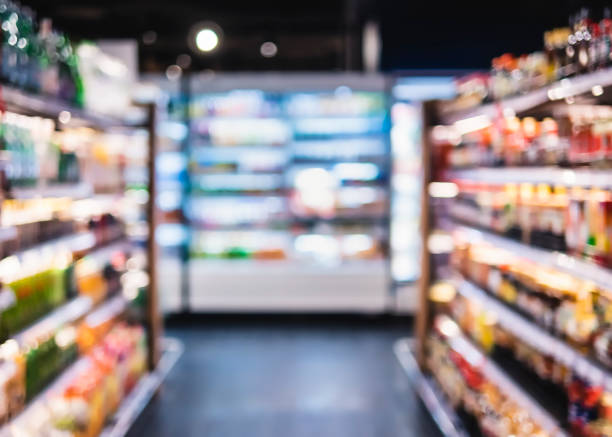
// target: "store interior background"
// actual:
[[289, 307]]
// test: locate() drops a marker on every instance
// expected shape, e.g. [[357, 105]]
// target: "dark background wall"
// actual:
[[321, 35]]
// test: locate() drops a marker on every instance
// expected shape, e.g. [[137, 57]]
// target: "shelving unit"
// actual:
[[442, 253], [259, 153], [94, 248], [493, 373]]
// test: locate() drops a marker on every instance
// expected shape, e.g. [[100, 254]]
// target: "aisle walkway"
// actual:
[[286, 378]]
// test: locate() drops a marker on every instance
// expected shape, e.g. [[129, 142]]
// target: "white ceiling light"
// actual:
[[207, 40], [205, 37]]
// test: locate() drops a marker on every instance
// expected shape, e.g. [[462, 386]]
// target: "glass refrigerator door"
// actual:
[[406, 191], [406, 179]]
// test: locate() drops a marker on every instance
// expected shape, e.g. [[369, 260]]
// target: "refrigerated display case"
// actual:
[[288, 190]]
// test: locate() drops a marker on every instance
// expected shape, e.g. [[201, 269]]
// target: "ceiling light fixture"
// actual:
[[205, 37], [207, 40]]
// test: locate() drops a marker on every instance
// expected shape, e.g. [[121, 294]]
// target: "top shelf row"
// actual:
[[594, 83], [22, 102]]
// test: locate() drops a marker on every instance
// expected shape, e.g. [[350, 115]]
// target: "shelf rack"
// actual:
[[145, 390], [82, 307], [546, 100], [449, 424], [497, 376]]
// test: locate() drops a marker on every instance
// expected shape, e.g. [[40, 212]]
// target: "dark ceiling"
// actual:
[[319, 35]]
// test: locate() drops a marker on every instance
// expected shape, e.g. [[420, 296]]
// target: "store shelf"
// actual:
[[236, 195], [141, 395], [79, 242], [537, 337], [444, 416], [35, 408], [557, 91], [71, 311], [577, 267], [84, 242], [104, 253], [205, 147], [342, 220], [74, 191], [129, 409], [26, 103], [108, 310], [490, 370], [584, 177]]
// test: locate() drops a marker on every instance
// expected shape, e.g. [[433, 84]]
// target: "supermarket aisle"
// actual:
[[286, 378]]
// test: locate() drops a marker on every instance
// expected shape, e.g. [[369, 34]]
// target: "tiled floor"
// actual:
[[287, 377]]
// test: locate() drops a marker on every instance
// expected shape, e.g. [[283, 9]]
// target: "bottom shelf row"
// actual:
[[501, 386], [87, 392]]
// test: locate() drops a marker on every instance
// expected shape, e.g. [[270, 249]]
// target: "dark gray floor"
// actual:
[[285, 378]]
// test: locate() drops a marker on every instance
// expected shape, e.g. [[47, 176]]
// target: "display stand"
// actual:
[[582, 366], [162, 354]]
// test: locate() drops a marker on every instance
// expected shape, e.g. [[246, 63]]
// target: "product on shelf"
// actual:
[[344, 245], [80, 403], [255, 244], [219, 212], [573, 309], [42, 279], [579, 134], [244, 132], [36, 57], [582, 47], [47, 356], [461, 378], [238, 103], [580, 399], [334, 105], [343, 191], [576, 220], [34, 156]]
